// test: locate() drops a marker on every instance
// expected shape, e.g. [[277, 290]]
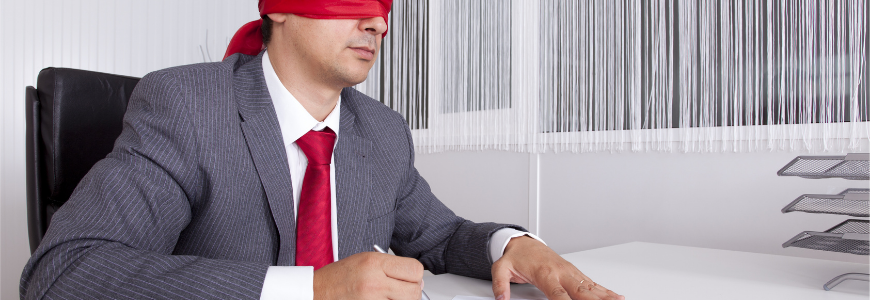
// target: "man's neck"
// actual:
[[317, 97]]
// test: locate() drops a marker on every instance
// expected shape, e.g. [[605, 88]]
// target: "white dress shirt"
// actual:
[[295, 282]]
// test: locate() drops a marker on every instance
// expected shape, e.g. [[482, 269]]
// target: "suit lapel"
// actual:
[[352, 183], [263, 137]]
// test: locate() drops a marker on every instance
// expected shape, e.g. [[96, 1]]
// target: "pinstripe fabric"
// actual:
[[195, 200]]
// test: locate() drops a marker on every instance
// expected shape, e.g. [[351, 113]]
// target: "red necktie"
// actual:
[[314, 220]]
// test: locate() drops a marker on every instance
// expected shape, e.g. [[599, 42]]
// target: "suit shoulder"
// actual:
[[378, 123], [207, 70], [367, 108], [201, 69]]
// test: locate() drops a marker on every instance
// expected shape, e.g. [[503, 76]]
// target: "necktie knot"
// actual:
[[317, 146]]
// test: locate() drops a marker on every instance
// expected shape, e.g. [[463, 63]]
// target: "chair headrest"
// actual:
[[81, 115]]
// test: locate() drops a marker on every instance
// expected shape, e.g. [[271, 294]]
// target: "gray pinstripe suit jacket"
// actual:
[[195, 201]]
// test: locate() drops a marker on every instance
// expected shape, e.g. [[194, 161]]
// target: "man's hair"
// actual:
[[266, 29]]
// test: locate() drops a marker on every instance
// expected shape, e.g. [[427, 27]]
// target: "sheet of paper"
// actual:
[[486, 298]]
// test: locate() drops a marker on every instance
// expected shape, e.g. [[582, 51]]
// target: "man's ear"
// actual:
[[278, 17]]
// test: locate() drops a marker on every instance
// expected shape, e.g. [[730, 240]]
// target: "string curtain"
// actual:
[[653, 75]]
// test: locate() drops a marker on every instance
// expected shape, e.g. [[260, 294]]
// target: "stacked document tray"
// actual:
[[851, 202], [851, 236], [855, 166]]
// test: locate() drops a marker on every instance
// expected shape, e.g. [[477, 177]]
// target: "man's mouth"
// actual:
[[366, 53]]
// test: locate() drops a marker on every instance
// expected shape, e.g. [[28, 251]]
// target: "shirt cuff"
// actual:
[[502, 237], [288, 282]]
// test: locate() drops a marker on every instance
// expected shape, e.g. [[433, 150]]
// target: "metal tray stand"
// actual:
[[853, 276], [851, 202], [851, 236], [855, 166]]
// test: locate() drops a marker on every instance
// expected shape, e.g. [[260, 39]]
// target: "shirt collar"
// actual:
[[293, 119]]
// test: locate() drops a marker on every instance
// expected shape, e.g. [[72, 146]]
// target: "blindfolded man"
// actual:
[[266, 176]]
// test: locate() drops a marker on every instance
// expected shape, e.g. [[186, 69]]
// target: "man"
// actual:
[[266, 176]]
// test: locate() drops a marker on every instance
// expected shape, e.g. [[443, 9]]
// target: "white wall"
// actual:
[[115, 36], [486, 186], [726, 201]]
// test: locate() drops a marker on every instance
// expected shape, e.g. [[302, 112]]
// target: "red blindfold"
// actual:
[[249, 40]]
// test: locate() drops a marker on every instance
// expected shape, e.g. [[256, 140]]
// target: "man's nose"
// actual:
[[374, 26]]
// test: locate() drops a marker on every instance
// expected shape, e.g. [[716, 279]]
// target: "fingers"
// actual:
[[399, 289], [501, 281], [535, 263], [555, 291], [605, 293], [547, 279], [585, 288], [612, 294], [403, 268], [582, 287], [370, 275]]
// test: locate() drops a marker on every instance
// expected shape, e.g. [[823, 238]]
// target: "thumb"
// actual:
[[501, 281]]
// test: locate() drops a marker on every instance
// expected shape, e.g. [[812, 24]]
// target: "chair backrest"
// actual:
[[73, 118]]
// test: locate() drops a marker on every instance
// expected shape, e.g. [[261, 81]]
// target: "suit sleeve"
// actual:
[[115, 236], [429, 231]]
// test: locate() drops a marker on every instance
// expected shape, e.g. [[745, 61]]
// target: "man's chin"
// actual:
[[352, 80], [350, 74]]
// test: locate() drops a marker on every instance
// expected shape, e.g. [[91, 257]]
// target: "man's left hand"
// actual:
[[527, 260]]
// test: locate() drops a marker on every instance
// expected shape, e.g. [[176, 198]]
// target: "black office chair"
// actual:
[[73, 119]]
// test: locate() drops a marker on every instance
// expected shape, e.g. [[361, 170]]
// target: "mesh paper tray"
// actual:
[[854, 191], [854, 166], [851, 202], [847, 237]]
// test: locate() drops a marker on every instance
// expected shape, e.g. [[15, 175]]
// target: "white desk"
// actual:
[[655, 271]]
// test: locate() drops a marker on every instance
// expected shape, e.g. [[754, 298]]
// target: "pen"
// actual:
[[377, 248]]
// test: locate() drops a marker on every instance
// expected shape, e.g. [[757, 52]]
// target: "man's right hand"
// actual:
[[370, 275]]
